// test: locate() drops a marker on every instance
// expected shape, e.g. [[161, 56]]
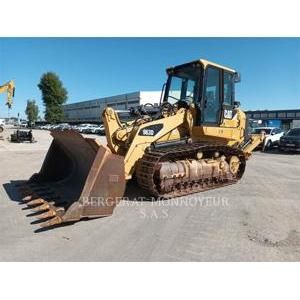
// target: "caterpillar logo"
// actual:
[[227, 114], [151, 130]]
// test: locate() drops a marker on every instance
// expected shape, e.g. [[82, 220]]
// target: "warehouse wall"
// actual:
[[287, 118], [150, 97], [91, 110]]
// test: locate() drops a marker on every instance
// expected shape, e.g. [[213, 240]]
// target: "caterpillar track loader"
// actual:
[[8, 88], [194, 141]]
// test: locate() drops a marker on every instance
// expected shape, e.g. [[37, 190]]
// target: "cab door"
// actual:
[[218, 96], [212, 97]]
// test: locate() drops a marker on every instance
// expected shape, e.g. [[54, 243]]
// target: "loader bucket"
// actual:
[[79, 178]]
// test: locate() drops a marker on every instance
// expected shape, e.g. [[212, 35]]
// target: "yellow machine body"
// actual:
[[195, 140]]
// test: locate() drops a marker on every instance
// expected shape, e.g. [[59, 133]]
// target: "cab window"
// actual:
[[228, 87], [181, 88], [212, 96]]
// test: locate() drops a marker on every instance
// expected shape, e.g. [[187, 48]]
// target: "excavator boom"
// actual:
[[8, 88]]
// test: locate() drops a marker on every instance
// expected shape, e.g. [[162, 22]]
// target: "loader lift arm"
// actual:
[[252, 143]]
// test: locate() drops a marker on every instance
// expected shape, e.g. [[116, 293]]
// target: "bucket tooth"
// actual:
[[47, 214], [26, 193], [55, 201], [54, 221], [44, 206], [52, 212], [28, 198], [36, 202]]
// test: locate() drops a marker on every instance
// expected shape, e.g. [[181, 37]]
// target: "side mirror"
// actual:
[[237, 103], [237, 77]]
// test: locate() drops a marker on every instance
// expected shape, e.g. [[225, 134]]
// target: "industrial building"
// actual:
[[91, 110], [285, 119]]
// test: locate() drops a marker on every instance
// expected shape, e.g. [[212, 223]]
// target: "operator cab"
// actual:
[[209, 86]]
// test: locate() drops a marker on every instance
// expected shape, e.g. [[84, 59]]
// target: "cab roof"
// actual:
[[205, 63]]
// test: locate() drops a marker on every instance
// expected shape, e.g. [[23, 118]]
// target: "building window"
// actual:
[[272, 115], [133, 103], [290, 115], [281, 115], [256, 116], [264, 116]]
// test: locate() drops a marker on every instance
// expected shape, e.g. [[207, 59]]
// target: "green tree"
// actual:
[[54, 95], [32, 111]]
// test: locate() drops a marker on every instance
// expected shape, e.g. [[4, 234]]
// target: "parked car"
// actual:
[[85, 128], [273, 135], [45, 127], [290, 141], [81, 127], [99, 129], [91, 128], [63, 126], [23, 124]]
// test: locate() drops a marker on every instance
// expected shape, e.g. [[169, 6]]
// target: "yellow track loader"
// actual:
[[8, 88], [194, 141]]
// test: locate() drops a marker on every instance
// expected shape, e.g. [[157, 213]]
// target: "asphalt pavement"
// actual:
[[254, 220]]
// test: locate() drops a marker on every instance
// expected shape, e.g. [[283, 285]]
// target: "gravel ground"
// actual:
[[254, 220]]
